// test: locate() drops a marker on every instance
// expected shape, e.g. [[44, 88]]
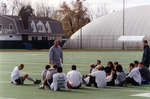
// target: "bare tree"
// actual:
[[16, 6], [44, 10], [3, 8], [98, 11]]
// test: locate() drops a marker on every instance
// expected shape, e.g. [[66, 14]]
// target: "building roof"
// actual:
[[55, 25]]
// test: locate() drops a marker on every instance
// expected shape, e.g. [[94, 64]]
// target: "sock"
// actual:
[[31, 79]]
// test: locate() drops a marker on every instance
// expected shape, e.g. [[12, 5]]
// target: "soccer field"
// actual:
[[36, 61]]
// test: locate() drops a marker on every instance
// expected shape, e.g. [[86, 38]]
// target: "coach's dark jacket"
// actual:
[[146, 56]]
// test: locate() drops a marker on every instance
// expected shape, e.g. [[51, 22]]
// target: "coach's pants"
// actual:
[[132, 81]]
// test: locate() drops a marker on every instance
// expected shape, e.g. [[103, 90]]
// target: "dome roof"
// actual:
[[137, 22]]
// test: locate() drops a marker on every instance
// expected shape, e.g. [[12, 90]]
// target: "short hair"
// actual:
[[55, 66], [131, 65], [119, 68], [92, 66], [59, 70], [116, 62], [108, 70], [136, 62], [74, 67], [22, 65], [102, 68], [47, 67], [99, 61], [145, 41], [141, 63]]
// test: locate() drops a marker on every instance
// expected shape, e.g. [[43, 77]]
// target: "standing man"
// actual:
[[146, 54], [56, 54]]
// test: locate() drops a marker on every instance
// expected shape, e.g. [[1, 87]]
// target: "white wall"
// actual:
[[8, 37]]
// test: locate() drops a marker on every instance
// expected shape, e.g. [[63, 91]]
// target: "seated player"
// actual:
[[19, 80], [49, 77], [134, 76], [110, 74], [59, 80], [136, 63], [44, 73], [88, 79], [121, 76], [74, 78], [116, 64], [145, 73], [98, 64], [100, 78]]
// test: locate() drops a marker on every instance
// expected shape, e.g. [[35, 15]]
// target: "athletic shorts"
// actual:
[[19, 81]]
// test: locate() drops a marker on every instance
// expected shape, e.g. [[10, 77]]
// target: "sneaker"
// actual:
[[41, 87], [37, 82]]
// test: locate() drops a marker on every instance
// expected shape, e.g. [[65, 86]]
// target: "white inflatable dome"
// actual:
[[103, 33]]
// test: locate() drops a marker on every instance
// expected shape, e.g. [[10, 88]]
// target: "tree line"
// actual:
[[73, 16]]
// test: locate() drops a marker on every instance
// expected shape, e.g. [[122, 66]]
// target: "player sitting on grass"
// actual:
[[100, 78], [134, 76], [110, 74], [44, 73], [136, 63], [145, 73], [116, 64], [98, 64], [121, 76], [88, 79], [59, 80], [74, 78], [19, 80], [49, 77]]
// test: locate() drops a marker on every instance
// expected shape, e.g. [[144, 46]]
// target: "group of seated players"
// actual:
[[99, 76]]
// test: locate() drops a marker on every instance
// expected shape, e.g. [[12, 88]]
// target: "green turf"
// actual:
[[35, 62]]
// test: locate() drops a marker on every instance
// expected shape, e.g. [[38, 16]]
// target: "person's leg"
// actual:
[[132, 81], [26, 76], [69, 85], [49, 82]]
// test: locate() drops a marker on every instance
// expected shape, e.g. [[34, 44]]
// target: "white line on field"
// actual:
[[142, 95], [6, 98]]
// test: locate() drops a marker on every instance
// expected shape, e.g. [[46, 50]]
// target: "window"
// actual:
[[44, 38], [10, 27], [34, 38], [10, 36], [0, 27]]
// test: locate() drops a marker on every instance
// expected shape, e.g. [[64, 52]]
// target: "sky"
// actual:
[[115, 4], [91, 4]]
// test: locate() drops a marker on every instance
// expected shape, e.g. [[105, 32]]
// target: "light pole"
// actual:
[[81, 38], [123, 45]]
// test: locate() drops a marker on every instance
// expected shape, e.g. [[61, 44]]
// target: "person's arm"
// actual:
[[80, 77], [61, 55], [50, 56], [55, 83], [145, 55], [66, 87]]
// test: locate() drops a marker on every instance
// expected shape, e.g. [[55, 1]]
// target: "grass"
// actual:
[[36, 60]]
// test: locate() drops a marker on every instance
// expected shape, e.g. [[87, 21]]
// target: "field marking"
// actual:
[[142, 95], [6, 98]]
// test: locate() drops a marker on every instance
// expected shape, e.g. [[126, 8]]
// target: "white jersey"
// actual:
[[74, 78], [43, 74], [135, 74], [59, 81], [100, 78], [15, 74]]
